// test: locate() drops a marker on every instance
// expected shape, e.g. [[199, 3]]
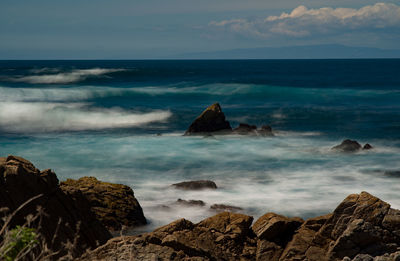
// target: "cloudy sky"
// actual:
[[161, 28]]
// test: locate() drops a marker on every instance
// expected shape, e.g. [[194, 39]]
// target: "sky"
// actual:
[[139, 29]]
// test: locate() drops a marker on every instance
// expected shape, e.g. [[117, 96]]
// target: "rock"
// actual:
[[392, 173], [245, 129], [348, 146], [191, 203], [114, 204], [360, 228], [221, 237], [210, 120], [223, 207], [367, 147], [276, 228], [20, 181], [265, 131], [196, 185]]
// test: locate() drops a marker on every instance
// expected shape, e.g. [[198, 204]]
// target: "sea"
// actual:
[[123, 122]]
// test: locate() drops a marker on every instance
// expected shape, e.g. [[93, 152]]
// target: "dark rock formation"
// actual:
[[351, 146], [265, 131], [191, 203], [361, 225], [348, 146], [223, 207], [211, 120], [114, 204], [195, 185], [20, 181], [367, 147], [245, 129]]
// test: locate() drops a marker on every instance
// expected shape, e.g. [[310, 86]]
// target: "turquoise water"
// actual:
[[103, 119]]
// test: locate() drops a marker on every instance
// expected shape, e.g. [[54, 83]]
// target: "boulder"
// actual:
[[191, 203], [113, 204], [61, 218], [348, 146], [211, 120], [195, 185], [223, 207], [245, 129]]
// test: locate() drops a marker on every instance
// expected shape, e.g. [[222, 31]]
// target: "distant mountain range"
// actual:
[[331, 51]]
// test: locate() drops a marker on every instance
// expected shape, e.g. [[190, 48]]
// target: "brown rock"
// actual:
[[265, 131], [114, 204], [276, 228], [21, 181], [210, 120], [195, 185], [367, 147]]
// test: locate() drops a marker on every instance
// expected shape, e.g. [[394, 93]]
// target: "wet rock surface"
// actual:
[[351, 146], [113, 204], [195, 185], [362, 226], [223, 207], [191, 203], [20, 180]]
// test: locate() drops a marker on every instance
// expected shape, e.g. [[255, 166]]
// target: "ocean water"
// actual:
[[122, 121]]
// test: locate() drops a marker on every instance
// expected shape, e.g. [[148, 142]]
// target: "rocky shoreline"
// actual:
[[362, 227]]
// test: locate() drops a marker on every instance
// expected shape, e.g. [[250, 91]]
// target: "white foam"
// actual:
[[47, 117], [65, 77]]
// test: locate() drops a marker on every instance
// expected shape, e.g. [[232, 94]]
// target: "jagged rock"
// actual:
[[20, 181], [362, 226], [221, 237], [195, 185], [210, 120], [245, 129], [191, 203], [114, 204], [348, 146], [276, 228], [223, 207]]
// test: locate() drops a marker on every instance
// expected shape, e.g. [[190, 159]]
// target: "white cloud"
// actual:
[[303, 21]]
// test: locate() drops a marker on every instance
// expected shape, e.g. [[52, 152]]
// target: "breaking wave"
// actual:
[[63, 77], [18, 117]]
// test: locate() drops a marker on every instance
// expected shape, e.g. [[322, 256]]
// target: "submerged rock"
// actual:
[[191, 203], [361, 224], [351, 146], [210, 120], [348, 146], [63, 219], [196, 185], [114, 204], [223, 207], [245, 129], [265, 131]]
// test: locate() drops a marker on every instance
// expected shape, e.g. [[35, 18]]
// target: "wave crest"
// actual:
[[18, 117], [65, 77]]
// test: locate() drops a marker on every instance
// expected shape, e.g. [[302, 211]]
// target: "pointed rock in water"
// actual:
[[348, 146], [114, 204], [210, 120], [367, 147], [196, 185]]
